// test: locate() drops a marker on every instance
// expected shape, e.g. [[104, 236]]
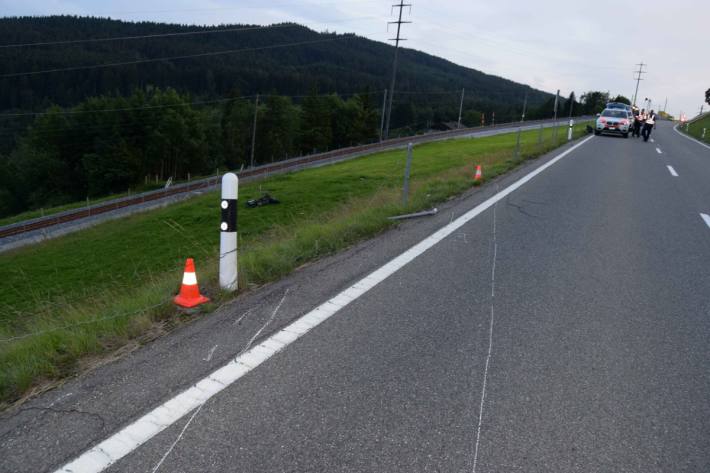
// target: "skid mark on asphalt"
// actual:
[[490, 342]]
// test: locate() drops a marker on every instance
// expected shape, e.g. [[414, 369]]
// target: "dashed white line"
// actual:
[[652, 140], [706, 217], [672, 171], [123, 442], [658, 150]]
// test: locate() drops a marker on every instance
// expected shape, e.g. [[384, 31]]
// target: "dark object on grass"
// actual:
[[265, 199], [590, 129]]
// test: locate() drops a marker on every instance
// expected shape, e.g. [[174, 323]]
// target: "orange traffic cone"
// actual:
[[479, 173], [189, 292]]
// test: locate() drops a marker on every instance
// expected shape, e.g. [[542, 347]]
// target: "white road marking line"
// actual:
[[123, 442], [706, 217], [490, 343], [672, 171], [658, 150], [675, 128]]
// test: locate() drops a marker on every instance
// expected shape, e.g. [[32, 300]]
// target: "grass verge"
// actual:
[[109, 287], [695, 129]]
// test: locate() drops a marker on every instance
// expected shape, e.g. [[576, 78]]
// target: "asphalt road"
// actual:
[[564, 329]]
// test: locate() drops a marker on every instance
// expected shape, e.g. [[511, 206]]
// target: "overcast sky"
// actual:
[[549, 44]]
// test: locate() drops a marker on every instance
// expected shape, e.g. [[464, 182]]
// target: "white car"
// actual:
[[615, 121]]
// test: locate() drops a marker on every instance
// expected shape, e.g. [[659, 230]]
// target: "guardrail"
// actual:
[[206, 183]]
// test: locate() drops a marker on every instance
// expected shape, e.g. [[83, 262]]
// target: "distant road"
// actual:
[[554, 320], [39, 229]]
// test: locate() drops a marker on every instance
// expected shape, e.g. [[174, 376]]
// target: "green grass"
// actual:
[[695, 129], [80, 296]]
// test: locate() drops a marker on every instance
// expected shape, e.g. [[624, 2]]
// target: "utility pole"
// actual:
[[638, 79], [525, 106], [382, 120], [461, 108], [396, 40], [253, 130], [665, 105]]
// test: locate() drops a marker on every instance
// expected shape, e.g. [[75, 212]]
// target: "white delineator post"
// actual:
[[228, 233], [569, 130]]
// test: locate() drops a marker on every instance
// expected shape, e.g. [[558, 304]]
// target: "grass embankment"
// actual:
[[102, 289], [695, 129]]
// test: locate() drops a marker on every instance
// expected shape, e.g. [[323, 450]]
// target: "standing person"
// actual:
[[637, 123], [648, 125]]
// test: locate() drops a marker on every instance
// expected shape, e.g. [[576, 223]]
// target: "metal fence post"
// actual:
[[517, 144], [405, 190]]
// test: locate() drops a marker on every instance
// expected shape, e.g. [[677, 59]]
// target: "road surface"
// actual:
[[562, 326]]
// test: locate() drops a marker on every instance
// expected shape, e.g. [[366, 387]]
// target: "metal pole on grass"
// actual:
[[382, 120], [228, 233], [460, 108], [253, 130], [407, 168], [517, 144]]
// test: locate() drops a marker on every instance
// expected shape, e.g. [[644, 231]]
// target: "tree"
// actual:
[[707, 96], [594, 101], [621, 99]]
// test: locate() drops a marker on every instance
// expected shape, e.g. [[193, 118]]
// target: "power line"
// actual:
[[396, 40], [187, 104], [146, 36], [173, 58], [168, 35]]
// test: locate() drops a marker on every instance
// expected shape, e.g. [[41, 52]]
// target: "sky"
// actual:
[[548, 44]]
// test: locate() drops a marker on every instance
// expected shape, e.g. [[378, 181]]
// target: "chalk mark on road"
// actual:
[[192, 417], [209, 355], [490, 341], [658, 150], [672, 171]]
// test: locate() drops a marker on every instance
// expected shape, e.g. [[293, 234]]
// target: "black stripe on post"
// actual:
[[229, 215]]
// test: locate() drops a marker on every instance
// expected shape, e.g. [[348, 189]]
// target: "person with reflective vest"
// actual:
[[636, 131], [648, 125]]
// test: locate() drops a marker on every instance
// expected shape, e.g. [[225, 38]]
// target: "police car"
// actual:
[[613, 121]]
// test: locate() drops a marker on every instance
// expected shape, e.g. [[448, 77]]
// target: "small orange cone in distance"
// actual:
[[479, 173], [189, 292]]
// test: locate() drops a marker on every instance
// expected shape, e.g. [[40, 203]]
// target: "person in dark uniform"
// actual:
[[636, 131]]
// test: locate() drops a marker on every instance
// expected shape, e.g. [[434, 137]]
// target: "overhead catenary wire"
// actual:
[[207, 30], [180, 57]]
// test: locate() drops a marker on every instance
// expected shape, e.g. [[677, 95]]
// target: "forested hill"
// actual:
[[325, 62]]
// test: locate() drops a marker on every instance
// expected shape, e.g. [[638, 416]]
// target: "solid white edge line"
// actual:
[[675, 128], [706, 217], [672, 171], [658, 150], [118, 445]]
